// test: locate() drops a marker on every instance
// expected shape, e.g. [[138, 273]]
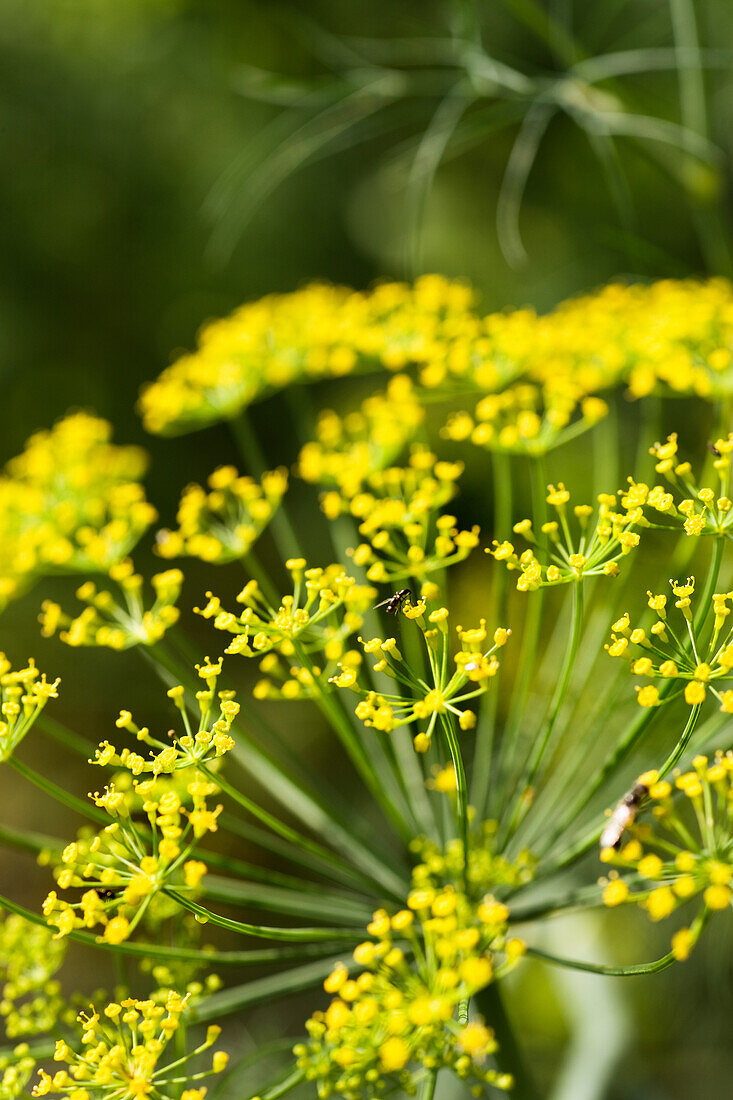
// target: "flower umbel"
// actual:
[[123, 1048]]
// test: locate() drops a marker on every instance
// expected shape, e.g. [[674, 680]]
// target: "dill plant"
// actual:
[[489, 776]]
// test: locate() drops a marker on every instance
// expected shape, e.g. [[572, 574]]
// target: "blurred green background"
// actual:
[[164, 160]]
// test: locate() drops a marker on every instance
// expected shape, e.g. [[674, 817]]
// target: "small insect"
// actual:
[[624, 815], [108, 893], [714, 450], [394, 604]]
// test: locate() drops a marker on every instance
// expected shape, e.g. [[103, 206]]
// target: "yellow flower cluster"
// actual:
[[24, 693], [30, 995], [486, 870], [450, 690], [559, 554], [672, 336], [348, 449], [223, 524], [528, 418], [312, 625], [71, 502], [685, 853], [16, 1068], [121, 1052], [406, 1014], [399, 515], [125, 866], [113, 622], [678, 655], [697, 511], [317, 332], [204, 744]]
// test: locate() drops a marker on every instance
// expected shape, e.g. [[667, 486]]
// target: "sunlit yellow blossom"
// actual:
[[117, 621], [223, 523], [122, 1050]]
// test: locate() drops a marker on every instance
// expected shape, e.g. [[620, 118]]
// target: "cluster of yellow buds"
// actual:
[[16, 1069], [125, 866], [399, 514], [559, 554], [223, 524], [207, 742], [527, 418], [484, 871], [696, 511], [475, 663], [405, 1015], [30, 995], [684, 852], [117, 622], [348, 449], [317, 332], [24, 693], [666, 653], [122, 1049], [71, 502], [300, 642], [674, 336]]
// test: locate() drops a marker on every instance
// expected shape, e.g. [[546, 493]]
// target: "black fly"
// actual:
[[394, 604], [714, 450]]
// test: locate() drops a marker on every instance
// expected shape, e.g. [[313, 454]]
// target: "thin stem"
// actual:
[[524, 787], [682, 743], [461, 792], [286, 539], [484, 745], [296, 935]]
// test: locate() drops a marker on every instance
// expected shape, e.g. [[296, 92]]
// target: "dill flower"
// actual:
[[684, 853], [676, 651], [317, 332], [117, 622], [223, 524], [685, 506], [563, 554], [399, 516], [527, 418], [81, 504], [348, 449], [123, 1048], [125, 866], [209, 741], [16, 1068], [447, 692], [30, 995], [299, 642], [24, 693], [405, 1015]]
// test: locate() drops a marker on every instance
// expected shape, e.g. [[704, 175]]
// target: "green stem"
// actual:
[[622, 971], [682, 743], [59, 794], [508, 749], [427, 1086], [526, 782], [484, 745], [633, 734], [286, 539], [295, 935], [341, 725], [461, 793], [183, 954]]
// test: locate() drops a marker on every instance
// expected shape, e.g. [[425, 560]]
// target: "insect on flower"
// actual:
[[625, 814], [714, 450], [394, 604]]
